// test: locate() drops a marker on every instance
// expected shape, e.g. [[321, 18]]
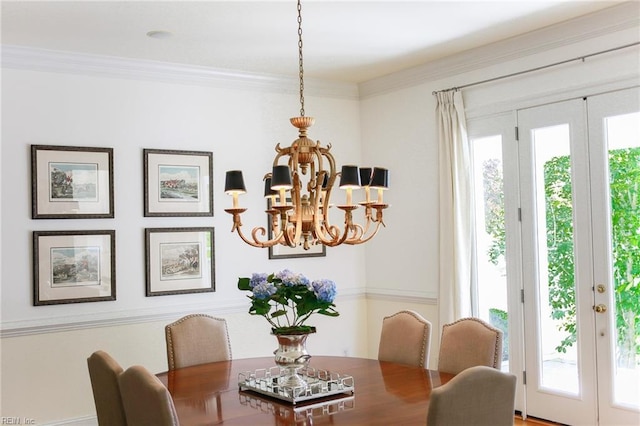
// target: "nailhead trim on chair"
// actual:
[[423, 350], [172, 361], [496, 353]]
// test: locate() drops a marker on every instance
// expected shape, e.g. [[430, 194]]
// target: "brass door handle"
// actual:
[[600, 308]]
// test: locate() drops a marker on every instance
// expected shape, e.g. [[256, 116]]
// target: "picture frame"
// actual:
[[284, 252], [73, 267], [71, 182], [178, 183], [179, 260]]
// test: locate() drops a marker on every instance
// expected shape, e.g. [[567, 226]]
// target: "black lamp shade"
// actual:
[[365, 176], [349, 177], [325, 181], [281, 178], [268, 192], [380, 178], [234, 182]]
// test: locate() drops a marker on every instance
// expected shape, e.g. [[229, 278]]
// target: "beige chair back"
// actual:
[[104, 372], [405, 339], [197, 339], [146, 400], [469, 342], [478, 396]]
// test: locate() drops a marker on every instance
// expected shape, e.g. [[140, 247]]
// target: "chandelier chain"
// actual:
[[300, 61]]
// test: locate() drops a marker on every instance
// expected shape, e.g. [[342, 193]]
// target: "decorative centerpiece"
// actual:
[[287, 300]]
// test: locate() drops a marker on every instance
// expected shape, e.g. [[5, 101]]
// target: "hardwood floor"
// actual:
[[532, 421]]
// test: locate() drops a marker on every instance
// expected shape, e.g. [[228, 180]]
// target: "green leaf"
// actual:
[[278, 313], [243, 284]]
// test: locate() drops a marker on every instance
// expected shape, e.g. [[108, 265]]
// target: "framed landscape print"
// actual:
[[178, 183], [73, 266], [285, 252], [179, 260], [70, 182]]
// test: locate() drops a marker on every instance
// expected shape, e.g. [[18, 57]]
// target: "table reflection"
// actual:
[[422, 381], [201, 404], [314, 412]]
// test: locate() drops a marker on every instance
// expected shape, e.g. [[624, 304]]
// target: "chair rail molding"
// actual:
[[424, 298], [133, 316]]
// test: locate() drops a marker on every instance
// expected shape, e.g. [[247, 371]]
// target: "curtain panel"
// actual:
[[456, 203]]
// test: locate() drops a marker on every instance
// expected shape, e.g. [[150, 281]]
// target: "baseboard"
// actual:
[[79, 421]]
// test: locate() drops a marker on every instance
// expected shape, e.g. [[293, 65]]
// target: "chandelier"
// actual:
[[299, 190]]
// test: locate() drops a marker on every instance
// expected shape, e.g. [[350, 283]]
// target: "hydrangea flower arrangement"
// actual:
[[287, 299]]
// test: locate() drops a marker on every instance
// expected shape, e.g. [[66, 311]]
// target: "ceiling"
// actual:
[[349, 41]]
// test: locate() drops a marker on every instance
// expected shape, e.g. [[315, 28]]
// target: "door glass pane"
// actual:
[[490, 267], [557, 309], [623, 140]]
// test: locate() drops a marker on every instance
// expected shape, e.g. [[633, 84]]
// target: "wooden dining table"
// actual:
[[384, 393]]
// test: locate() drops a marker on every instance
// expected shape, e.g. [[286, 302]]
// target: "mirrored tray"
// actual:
[[298, 414], [320, 383]]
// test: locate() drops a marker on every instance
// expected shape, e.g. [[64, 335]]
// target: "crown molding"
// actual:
[[33, 59], [618, 18]]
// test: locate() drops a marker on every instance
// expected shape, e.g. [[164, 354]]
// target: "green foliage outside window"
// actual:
[[624, 167]]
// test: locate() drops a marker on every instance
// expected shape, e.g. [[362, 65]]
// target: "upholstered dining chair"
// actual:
[[104, 372], [405, 338], [469, 342], [147, 402], [197, 339], [478, 396]]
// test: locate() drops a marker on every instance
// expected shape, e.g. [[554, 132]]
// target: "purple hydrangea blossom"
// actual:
[[264, 290], [324, 289], [257, 279], [291, 279], [290, 293]]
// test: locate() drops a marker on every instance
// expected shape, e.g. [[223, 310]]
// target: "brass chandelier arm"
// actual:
[[256, 242], [334, 241], [369, 220], [378, 221], [334, 232], [364, 240]]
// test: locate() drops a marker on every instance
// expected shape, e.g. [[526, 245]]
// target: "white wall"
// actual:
[[401, 124], [239, 127], [44, 348]]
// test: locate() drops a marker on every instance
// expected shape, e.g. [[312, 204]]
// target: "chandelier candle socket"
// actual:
[[300, 186]]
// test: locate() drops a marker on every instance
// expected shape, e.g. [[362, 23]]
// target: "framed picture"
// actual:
[[179, 260], [73, 266], [285, 252], [178, 183], [70, 182]]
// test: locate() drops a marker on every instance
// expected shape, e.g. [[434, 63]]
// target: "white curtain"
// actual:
[[454, 299]]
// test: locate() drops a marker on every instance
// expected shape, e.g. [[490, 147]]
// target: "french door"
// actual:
[[579, 191]]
